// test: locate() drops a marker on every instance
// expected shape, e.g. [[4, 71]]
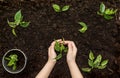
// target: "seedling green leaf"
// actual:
[[14, 33], [98, 59], [24, 24], [59, 56], [65, 8], [57, 46], [95, 63], [91, 56], [86, 69], [108, 17], [11, 24], [101, 67], [60, 48], [104, 62], [84, 27], [56, 7], [13, 58], [102, 8], [18, 17], [90, 63], [110, 11], [17, 21], [106, 13]]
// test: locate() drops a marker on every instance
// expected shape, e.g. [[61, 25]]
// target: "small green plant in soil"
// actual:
[[107, 13], [60, 48], [13, 58], [57, 8], [95, 63], [18, 21], [84, 27]]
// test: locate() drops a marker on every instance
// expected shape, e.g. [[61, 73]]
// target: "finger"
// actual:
[[52, 47], [73, 46], [69, 47], [67, 42]]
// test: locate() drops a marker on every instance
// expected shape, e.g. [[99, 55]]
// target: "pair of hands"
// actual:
[[71, 54]]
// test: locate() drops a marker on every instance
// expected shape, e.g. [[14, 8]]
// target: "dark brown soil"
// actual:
[[102, 36]]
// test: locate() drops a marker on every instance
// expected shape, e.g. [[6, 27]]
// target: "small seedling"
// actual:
[[57, 8], [84, 27], [107, 13], [13, 58], [18, 21], [95, 63], [60, 48]]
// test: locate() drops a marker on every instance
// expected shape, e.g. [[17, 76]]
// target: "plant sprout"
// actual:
[[60, 48], [95, 63], [57, 8], [18, 21], [84, 27], [107, 13], [13, 58]]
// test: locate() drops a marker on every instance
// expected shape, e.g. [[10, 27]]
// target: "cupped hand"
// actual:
[[72, 51], [51, 52]]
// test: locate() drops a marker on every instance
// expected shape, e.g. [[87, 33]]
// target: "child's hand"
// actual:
[[72, 51], [51, 52]]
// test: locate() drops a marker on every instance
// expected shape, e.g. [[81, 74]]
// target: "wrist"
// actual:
[[51, 61], [71, 61]]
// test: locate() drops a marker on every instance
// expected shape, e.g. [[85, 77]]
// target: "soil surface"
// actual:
[[102, 36]]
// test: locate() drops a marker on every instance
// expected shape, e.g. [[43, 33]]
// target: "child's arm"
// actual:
[[71, 55], [44, 73]]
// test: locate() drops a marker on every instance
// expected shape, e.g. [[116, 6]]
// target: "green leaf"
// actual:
[[110, 11], [59, 56], [56, 8], [99, 13], [11, 24], [14, 57], [66, 49], [101, 67], [84, 27], [90, 63], [11, 62], [86, 69], [18, 17], [108, 17], [95, 65], [65, 8], [14, 67], [24, 24], [7, 58], [98, 59], [91, 55], [102, 7], [14, 33], [104, 62], [57, 46], [62, 47]]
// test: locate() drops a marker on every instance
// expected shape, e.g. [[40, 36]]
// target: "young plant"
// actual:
[[60, 48], [18, 21], [107, 13], [13, 58], [95, 63], [84, 27], [57, 8]]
